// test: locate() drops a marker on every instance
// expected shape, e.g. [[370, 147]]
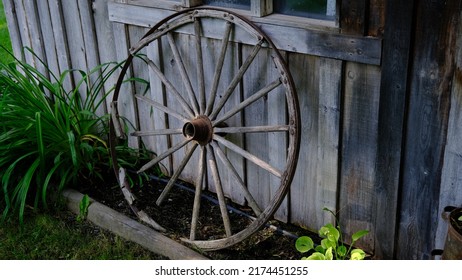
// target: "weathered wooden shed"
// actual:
[[380, 90]]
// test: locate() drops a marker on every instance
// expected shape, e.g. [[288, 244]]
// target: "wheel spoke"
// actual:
[[219, 67], [171, 88], [200, 66], [148, 38], [163, 108], [175, 175], [248, 196], [219, 190], [157, 132], [248, 156], [164, 155], [236, 79], [194, 110], [254, 97], [198, 193], [252, 129], [184, 74]]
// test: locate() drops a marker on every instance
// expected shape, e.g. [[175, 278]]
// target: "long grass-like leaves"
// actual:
[[49, 135], [42, 128]]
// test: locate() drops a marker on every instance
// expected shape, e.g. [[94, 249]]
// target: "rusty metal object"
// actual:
[[200, 129], [453, 246], [204, 116]]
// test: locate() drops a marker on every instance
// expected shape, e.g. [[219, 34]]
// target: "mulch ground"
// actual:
[[175, 216]]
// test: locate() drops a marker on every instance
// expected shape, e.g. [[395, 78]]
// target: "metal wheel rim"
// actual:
[[212, 144]]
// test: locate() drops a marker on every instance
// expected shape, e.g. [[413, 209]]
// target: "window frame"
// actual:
[[260, 11]]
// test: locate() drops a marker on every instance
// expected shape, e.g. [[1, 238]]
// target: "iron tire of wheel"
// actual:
[[204, 119]]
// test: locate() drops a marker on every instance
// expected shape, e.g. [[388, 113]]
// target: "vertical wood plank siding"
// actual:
[[451, 179], [380, 119], [47, 34], [426, 130], [316, 179], [396, 49], [60, 38], [357, 203], [105, 43], [353, 17], [13, 27]]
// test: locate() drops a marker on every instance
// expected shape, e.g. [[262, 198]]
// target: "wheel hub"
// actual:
[[200, 130]]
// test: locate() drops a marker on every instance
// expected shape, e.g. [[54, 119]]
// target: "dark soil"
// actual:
[[454, 219], [175, 216]]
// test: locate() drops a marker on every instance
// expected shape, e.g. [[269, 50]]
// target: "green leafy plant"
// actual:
[[50, 136], [455, 218], [332, 246], [83, 208]]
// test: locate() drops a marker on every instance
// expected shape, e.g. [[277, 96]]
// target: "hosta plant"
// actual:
[[332, 246]]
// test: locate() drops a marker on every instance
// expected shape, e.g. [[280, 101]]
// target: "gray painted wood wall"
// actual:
[[380, 105]]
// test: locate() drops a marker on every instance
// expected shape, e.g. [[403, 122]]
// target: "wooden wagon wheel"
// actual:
[[204, 119]]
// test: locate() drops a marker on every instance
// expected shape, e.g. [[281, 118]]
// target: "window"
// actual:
[[321, 9], [238, 4], [318, 9]]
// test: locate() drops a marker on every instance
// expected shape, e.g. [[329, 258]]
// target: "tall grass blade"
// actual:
[[50, 135]]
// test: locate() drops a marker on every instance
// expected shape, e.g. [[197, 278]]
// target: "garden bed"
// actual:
[[276, 241]]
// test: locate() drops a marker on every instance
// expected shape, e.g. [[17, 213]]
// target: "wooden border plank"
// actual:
[[130, 229]]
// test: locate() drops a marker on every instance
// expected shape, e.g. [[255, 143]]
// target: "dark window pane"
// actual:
[[305, 8], [238, 4]]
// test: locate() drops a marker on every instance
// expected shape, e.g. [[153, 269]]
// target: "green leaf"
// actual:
[[342, 251], [326, 243], [83, 207], [460, 218], [330, 232], [357, 254], [328, 210], [320, 249], [359, 234], [329, 255], [71, 139], [303, 244], [316, 256], [40, 145]]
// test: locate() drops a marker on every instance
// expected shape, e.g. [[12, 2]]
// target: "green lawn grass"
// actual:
[[4, 36], [57, 236]]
